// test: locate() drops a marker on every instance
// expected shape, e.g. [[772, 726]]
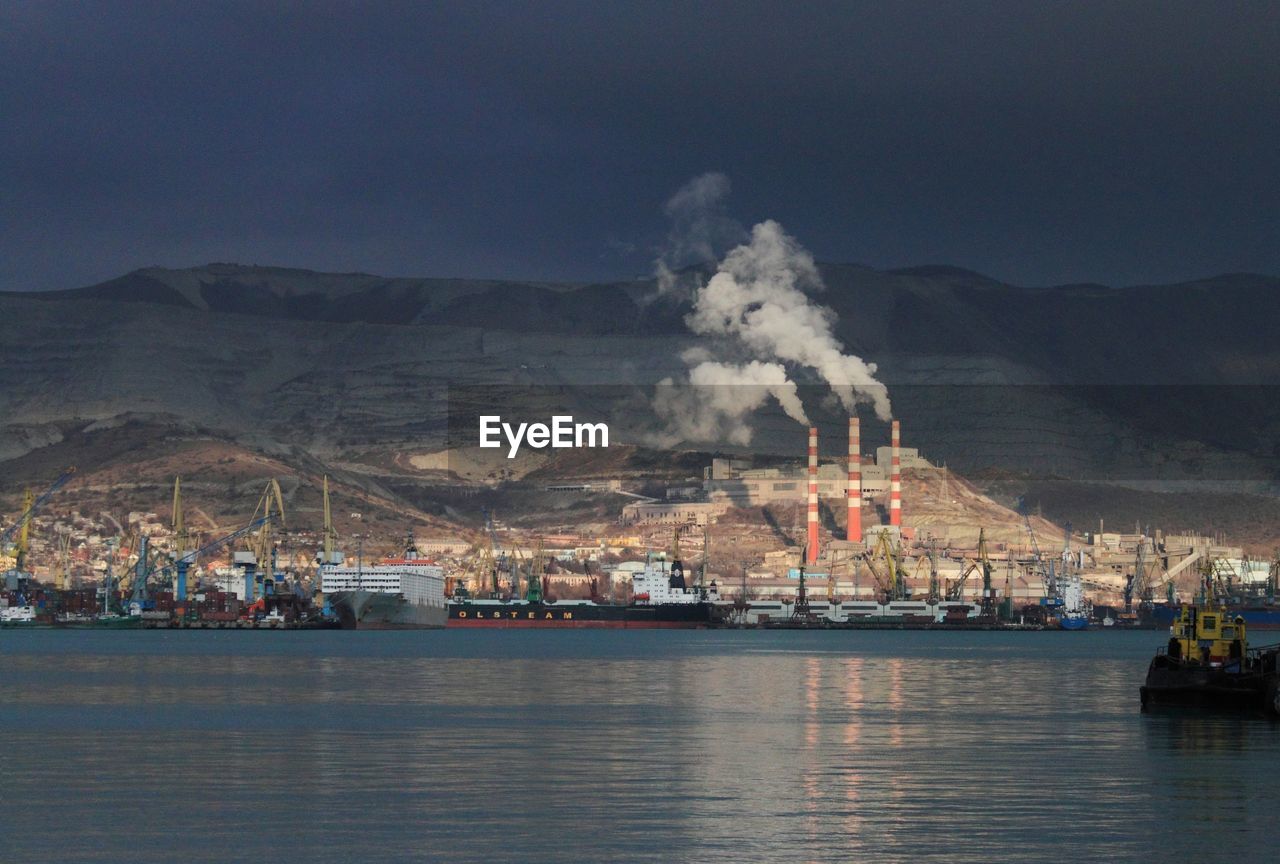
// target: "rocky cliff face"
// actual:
[[1164, 385]]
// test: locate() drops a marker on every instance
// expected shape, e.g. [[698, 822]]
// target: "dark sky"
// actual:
[[1037, 142]]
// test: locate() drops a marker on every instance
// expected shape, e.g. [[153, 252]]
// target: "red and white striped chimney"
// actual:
[[853, 532], [811, 555], [895, 478]]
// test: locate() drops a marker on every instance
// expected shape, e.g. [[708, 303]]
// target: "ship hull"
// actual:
[[1255, 617], [1173, 684], [673, 616], [369, 610]]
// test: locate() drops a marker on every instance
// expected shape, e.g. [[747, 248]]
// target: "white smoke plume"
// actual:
[[756, 301], [700, 227], [758, 320], [718, 398]]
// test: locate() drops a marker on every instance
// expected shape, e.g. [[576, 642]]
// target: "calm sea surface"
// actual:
[[616, 746]]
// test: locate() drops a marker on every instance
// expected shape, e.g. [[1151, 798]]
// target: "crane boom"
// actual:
[[330, 535], [35, 505], [1047, 575], [189, 558], [181, 540], [890, 580]]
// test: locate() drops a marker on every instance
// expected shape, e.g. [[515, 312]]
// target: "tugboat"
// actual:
[[1208, 664]]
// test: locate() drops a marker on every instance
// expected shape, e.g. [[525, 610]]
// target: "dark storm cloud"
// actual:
[[1037, 142]]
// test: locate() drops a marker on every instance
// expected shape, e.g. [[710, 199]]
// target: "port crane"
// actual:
[[135, 581], [982, 565], [181, 542], [329, 553], [107, 588], [148, 566], [183, 563], [533, 591], [498, 558], [262, 546], [801, 611], [64, 561], [483, 571], [837, 562], [1140, 582], [935, 592], [890, 579], [1048, 578], [22, 525]]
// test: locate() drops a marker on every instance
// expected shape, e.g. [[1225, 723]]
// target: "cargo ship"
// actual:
[[660, 599], [405, 593], [1074, 612], [1208, 664]]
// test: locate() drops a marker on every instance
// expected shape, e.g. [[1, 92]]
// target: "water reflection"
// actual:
[[658, 747]]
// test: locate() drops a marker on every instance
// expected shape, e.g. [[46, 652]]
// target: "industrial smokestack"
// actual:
[[854, 531], [811, 555], [895, 479]]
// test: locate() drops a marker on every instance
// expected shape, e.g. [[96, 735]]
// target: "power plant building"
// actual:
[[731, 482], [727, 480]]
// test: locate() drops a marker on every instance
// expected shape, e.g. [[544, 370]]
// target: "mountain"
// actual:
[[1160, 386], [348, 298], [1212, 331]]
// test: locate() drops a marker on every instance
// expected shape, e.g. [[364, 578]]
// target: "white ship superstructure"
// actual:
[[418, 579], [662, 581], [405, 592]]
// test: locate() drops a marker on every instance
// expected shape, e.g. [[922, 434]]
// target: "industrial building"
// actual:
[[730, 480], [673, 512]]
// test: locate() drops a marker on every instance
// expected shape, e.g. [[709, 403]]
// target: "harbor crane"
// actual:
[[329, 554], [935, 593], [190, 557], [262, 546], [482, 571], [135, 583], [1048, 578], [330, 539], [889, 580], [148, 565], [498, 556], [106, 590], [182, 564], [1140, 582], [64, 561], [984, 560], [21, 525], [533, 591], [181, 541], [838, 561], [981, 565]]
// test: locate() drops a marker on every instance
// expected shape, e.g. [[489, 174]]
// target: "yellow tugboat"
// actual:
[[1208, 664]]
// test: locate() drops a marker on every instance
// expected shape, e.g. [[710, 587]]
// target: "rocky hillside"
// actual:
[[1149, 386]]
